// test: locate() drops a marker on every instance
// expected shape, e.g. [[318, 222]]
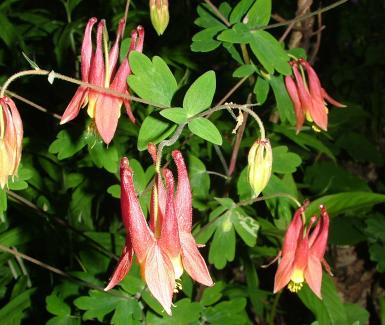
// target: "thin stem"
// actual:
[[217, 174], [58, 271], [222, 159], [55, 75], [125, 16], [61, 222], [231, 91], [268, 197], [303, 17], [218, 13], [19, 75], [31, 103], [274, 308], [167, 143], [242, 108]]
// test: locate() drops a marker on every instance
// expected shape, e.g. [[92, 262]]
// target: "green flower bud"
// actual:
[[260, 163], [159, 15]]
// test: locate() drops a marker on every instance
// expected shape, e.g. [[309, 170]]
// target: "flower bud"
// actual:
[[260, 163], [159, 15]]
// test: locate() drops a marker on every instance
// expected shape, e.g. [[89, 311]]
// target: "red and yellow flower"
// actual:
[[165, 247], [303, 251], [308, 96], [11, 139], [101, 69]]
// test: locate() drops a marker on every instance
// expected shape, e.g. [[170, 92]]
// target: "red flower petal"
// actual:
[[159, 276], [132, 214], [123, 266], [192, 260], [183, 199]]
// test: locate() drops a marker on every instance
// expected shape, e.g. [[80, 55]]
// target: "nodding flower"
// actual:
[[11, 138], [100, 69], [260, 161], [165, 247], [302, 254], [308, 96]]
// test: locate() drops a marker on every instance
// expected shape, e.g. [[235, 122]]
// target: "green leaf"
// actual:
[[15, 237], [114, 190], [104, 157], [243, 186], [356, 313], [344, 202], [57, 306], [327, 177], [204, 41], [199, 179], [8, 32], [127, 312], [177, 115], [227, 313], [329, 310], [14, 311], [285, 162], [240, 10], [64, 320], [212, 295], [222, 248], [154, 131], [205, 129], [284, 103], [245, 226], [238, 34], [304, 140], [259, 14], [244, 71], [97, 304], [66, 146], [360, 148], [185, 312], [269, 52], [151, 80], [261, 90], [200, 94], [206, 18]]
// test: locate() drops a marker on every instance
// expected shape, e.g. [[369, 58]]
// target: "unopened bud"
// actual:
[[159, 15], [260, 164]]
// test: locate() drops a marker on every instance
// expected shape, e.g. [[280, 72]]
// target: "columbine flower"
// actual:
[[260, 161], [308, 96], [165, 247], [11, 138], [159, 15], [101, 70], [303, 253], [192, 260]]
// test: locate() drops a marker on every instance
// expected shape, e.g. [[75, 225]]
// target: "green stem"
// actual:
[[268, 197], [274, 308], [55, 75], [303, 17], [58, 271]]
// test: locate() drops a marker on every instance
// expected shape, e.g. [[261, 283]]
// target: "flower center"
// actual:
[[296, 281]]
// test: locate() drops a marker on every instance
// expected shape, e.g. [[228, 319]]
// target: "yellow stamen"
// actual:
[[178, 286], [294, 287], [296, 281]]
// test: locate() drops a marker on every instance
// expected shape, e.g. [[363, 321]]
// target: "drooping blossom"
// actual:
[[260, 161], [165, 247], [101, 69], [308, 96], [11, 138], [159, 15], [303, 253]]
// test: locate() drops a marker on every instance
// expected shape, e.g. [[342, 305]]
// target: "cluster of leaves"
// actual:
[[63, 208]]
